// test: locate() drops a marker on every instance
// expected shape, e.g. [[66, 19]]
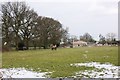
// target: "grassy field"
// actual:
[[59, 61]]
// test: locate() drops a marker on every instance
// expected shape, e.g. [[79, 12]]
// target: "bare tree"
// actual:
[[110, 36], [27, 29], [11, 17], [6, 25], [65, 36], [87, 37], [18, 17], [102, 39], [74, 38]]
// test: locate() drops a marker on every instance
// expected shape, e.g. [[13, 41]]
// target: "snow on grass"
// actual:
[[21, 73], [101, 70]]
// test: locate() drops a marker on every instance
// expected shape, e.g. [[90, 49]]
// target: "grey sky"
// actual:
[[81, 16]]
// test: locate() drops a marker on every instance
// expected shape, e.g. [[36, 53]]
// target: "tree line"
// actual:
[[22, 26], [109, 39]]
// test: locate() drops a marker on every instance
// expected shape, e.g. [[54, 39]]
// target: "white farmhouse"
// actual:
[[79, 43]]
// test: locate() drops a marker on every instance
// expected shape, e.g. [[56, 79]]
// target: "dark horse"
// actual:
[[53, 47]]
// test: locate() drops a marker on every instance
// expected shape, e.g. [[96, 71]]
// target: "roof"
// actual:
[[79, 42]]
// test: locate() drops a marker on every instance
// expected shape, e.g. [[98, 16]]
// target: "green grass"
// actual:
[[59, 61]]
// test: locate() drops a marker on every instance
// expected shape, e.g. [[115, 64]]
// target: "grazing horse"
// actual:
[[53, 47]]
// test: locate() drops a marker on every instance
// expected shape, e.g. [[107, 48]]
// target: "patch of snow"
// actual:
[[86, 51], [85, 55], [101, 70], [21, 73]]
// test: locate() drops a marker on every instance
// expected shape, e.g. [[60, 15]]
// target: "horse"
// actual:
[[53, 47]]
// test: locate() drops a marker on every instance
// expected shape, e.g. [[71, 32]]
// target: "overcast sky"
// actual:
[[81, 16]]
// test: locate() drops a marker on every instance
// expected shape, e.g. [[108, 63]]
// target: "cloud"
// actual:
[[104, 7]]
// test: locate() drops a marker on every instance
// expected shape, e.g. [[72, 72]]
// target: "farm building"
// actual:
[[79, 43]]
